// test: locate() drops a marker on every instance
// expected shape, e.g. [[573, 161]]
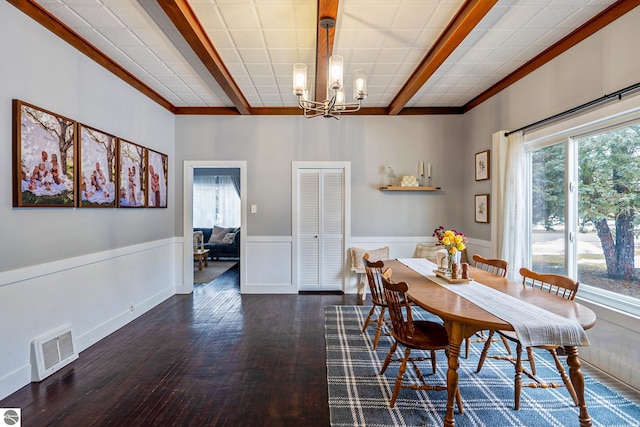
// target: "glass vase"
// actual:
[[452, 259]]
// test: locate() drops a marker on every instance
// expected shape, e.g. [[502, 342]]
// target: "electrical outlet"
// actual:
[[132, 308], [254, 209]]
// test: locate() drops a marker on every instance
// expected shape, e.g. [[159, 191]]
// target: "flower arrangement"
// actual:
[[453, 240]]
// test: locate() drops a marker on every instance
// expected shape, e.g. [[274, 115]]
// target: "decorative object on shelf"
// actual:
[[421, 173], [391, 176], [454, 242], [482, 208], [334, 105], [483, 165], [409, 181]]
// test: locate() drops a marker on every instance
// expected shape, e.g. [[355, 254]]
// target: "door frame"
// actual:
[[295, 166], [187, 204]]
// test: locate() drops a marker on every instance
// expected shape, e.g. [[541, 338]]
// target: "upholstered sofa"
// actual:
[[221, 242]]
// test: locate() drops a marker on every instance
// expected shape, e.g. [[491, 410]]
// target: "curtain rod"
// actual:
[[618, 94]]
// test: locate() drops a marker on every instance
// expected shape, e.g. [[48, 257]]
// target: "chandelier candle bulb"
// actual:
[[299, 79], [335, 67]]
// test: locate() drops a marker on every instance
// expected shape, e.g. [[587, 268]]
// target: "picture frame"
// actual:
[[483, 165], [158, 178], [44, 157], [132, 172], [97, 168], [481, 206]]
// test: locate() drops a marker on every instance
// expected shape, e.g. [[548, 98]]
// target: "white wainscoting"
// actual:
[[96, 293], [270, 258]]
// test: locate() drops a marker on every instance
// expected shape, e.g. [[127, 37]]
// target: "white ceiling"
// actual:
[[260, 40]]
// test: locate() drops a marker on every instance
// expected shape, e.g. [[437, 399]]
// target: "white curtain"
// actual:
[[215, 202], [509, 233]]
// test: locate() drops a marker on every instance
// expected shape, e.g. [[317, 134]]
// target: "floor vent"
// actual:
[[51, 352]]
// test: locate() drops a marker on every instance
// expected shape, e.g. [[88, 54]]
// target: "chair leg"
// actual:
[[366, 322], [389, 356], [466, 348], [401, 371], [485, 350], [433, 362], [532, 361], [459, 401], [518, 378], [565, 378], [506, 344], [379, 328]]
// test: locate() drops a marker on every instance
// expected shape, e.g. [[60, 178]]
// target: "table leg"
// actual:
[[577, 379], [199, 262], [455, 340]]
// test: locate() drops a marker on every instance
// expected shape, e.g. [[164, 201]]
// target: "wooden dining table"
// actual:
[[462, 319]]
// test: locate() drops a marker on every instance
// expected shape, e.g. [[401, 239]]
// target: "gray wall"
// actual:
[[270, 144], [39, 68]]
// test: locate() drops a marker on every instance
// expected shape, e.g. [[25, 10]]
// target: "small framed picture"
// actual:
[[157, 178], [482, 208], [44, 152], [133, 164], [483, 166]]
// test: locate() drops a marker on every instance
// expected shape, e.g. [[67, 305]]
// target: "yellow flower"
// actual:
[[458, 239], [452, 250], [448, 233], [446, 241], [461, 246]]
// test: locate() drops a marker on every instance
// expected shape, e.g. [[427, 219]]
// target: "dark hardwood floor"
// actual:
[[212, 358]]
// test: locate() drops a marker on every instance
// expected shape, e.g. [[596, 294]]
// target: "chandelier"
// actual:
[[334, 105]]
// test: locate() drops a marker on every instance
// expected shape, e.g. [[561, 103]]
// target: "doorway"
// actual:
[[189, 168]]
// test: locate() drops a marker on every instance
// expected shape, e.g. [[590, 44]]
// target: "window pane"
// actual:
[[609, 194], [548, 251]]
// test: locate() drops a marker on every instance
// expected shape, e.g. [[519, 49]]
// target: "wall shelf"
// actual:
[[398, 188]]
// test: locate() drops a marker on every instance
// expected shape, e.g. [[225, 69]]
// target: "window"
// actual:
[[215, 201], [585, 208]]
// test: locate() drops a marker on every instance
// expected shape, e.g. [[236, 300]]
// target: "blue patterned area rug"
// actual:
[[359, 396]]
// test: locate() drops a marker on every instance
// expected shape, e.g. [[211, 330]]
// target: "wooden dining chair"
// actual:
[[374, 271], [563, 287], [412, 334], [497, 267]]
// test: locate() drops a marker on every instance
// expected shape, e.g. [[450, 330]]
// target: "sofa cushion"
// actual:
[[218, 234], [228, 238]]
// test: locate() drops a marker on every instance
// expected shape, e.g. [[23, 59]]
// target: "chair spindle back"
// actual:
[[374, 272], [399, 310], [556, 284], [494, 266]]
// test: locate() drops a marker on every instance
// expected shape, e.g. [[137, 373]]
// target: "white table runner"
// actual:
[[541, 327]]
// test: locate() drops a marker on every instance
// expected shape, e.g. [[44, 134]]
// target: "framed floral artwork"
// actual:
[[97, 168], [44, 152], [157, 177], [482, 208], [483, 165], [132, 164]]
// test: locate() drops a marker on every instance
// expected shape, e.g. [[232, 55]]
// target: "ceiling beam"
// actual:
[[53, 24], [185, 20], [604, 18], [465, 20], [326, 9]]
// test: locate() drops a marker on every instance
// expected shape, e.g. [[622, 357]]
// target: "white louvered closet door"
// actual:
[[320, 229]]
